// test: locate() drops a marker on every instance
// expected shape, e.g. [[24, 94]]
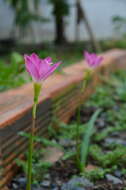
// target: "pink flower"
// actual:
[[39, 69], [92, 59]]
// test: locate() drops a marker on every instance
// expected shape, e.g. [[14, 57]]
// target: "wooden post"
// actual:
[[82, 16]]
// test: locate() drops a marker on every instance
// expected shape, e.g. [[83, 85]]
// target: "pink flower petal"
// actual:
[[92, 59], [30, 67], [44, 67], [38, 68], [48, 60], [51, 70], [35, 60]]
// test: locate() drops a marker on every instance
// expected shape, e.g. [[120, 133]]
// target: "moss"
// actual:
[[109, 159], [95, 174]]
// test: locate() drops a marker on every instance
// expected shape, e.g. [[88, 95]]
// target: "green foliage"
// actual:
[[23, 14], [119, 23], [95, 174], [113, 90], [68, 131], [123, 171], [121, 92], [68, 56], [39, 166], [85, 144], [61, 8], [17, 59], [11, 73], [101, 136], [46, 142], [118, 116], [98, 173], [107, 160], [117, 157], [112, 95], [104, 133], [68, 154], [24, 134], [101, 98]]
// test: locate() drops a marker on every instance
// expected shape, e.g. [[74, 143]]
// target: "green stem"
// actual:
[[30, 154], [78, 153], [37, 88], [34, 111], [78, 137]]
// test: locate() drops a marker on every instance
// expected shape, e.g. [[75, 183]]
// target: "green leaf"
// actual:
[[68, 155], [86, 140], [47, 142], [24, 134]]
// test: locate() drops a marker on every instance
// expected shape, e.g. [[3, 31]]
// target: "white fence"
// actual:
[[100, 13]]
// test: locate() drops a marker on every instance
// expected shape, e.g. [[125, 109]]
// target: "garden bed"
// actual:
[[105, 168], [61, 96]]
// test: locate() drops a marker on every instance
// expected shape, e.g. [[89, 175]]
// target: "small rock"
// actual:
[[67, 142], [22, 182], [78, 183], [122, 142], [118, 173], [113, 179], [109, 141], [78, 188], [53, 154], [36, 187], [116, 107], [115, 134], [45, 183], [47, 177], [54, 187], [90, 167], [58, 182], [15, 186], [101, 123]]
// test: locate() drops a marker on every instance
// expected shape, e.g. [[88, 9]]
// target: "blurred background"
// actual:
[[59, 28]]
